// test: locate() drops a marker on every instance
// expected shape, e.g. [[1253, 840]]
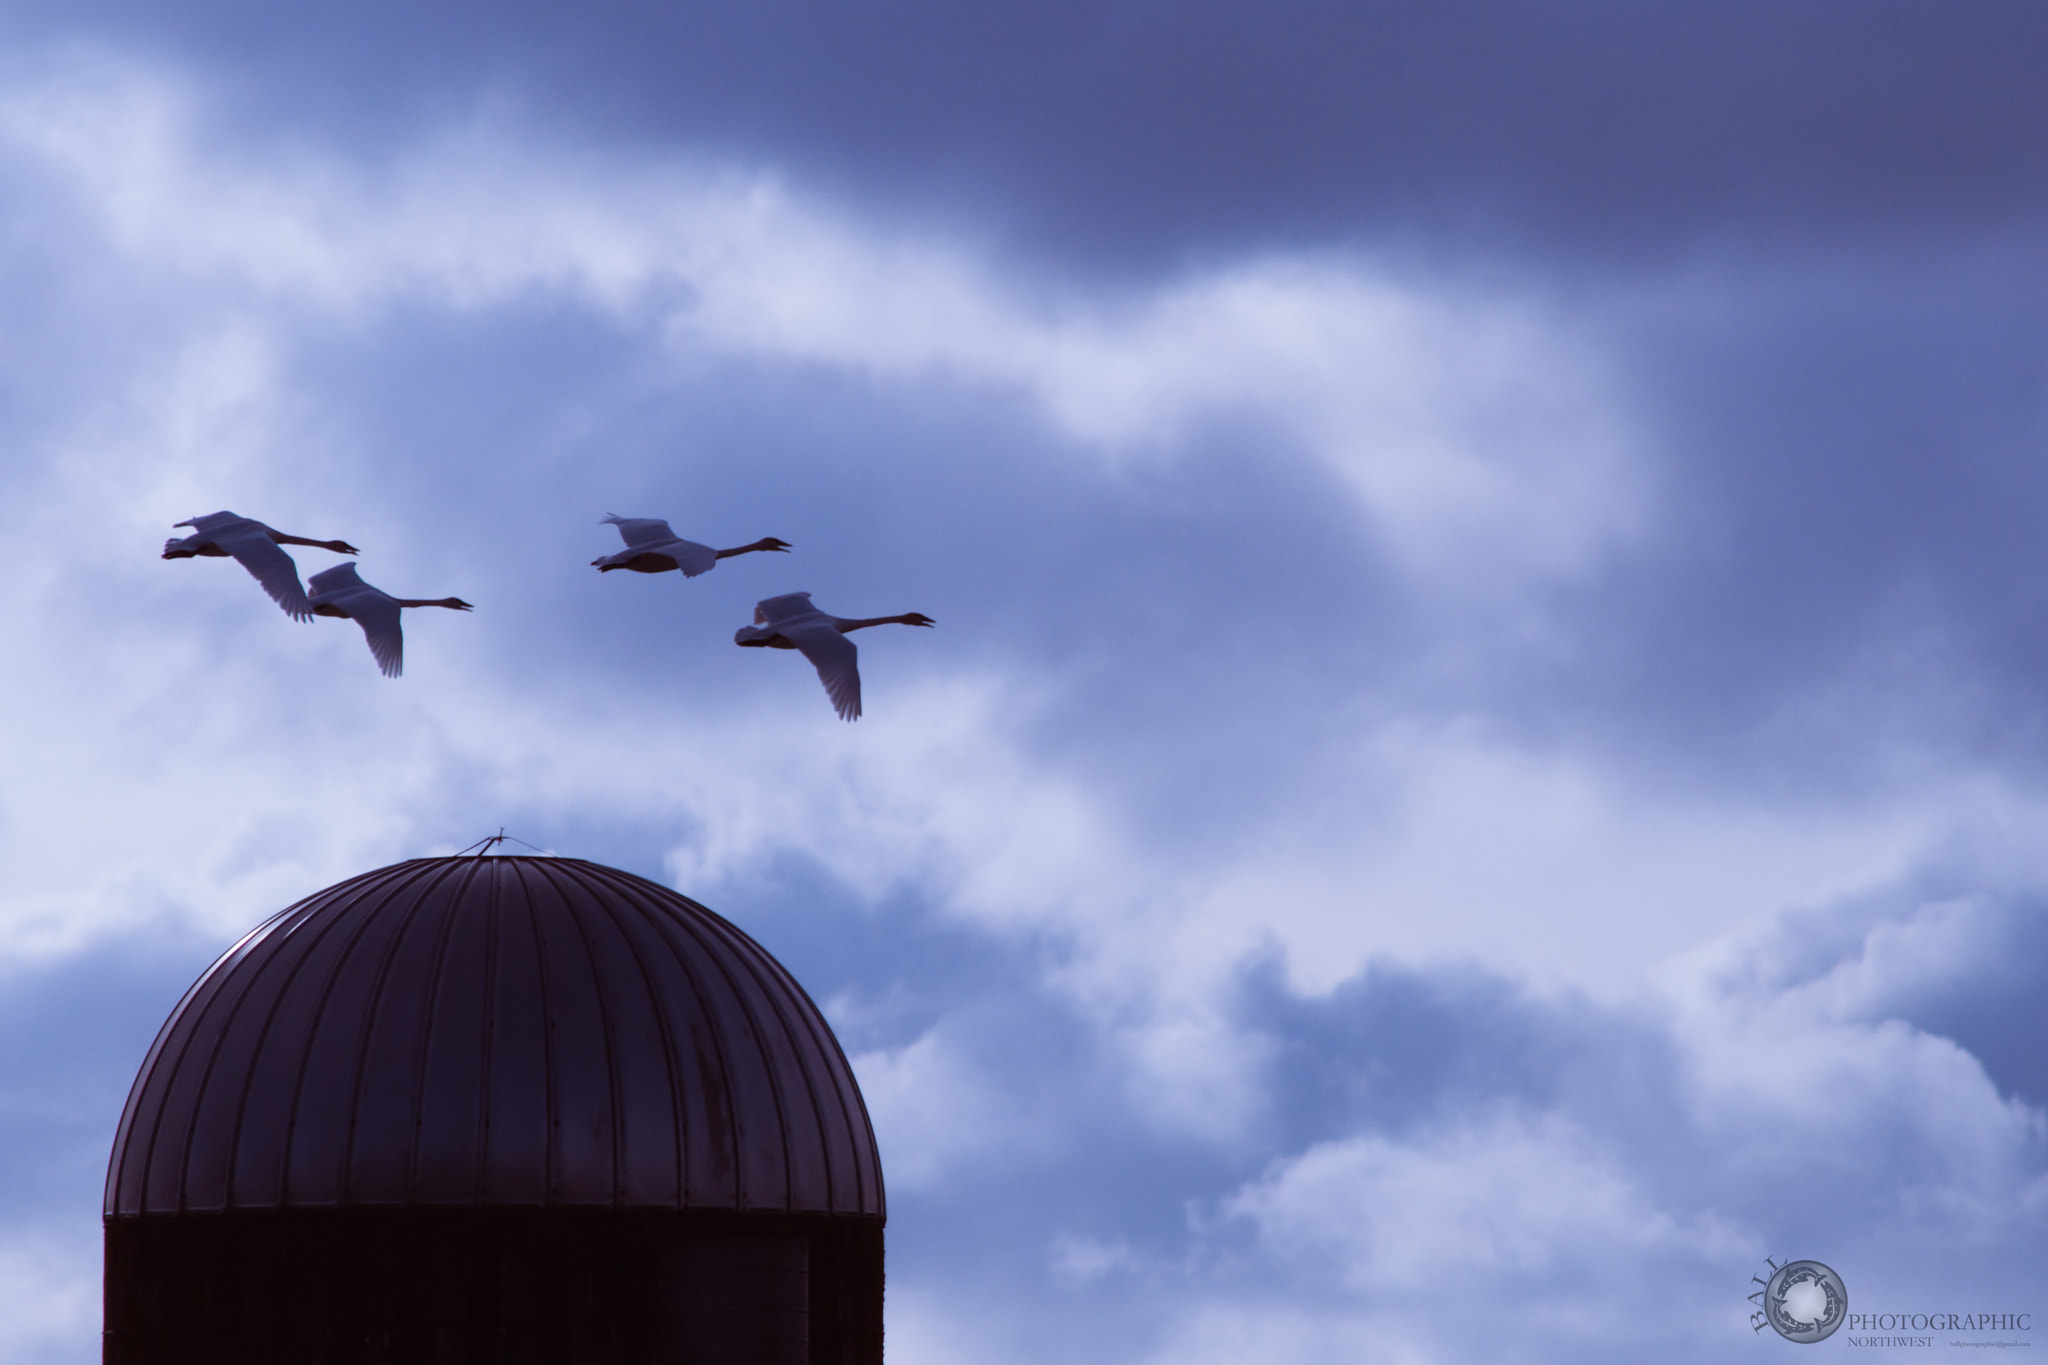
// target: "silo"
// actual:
[[494, 1109]]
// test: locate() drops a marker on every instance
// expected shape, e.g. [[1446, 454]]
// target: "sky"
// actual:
[[1483, 768]]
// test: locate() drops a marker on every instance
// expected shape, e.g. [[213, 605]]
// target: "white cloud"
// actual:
[[1792, 1085], [1435, 843], [1516, 1197], [1079, 1259], [935, 1109]]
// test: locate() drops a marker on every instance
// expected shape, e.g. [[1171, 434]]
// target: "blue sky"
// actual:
[[1481, 768]]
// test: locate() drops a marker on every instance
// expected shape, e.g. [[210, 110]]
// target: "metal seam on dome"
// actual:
[[815, 1026], [273, 946], [741, 942], [661, 915], [421, 887], [819, 1070], [117, 1165], [492, 923], [190, 1028], [779, 1002], [212, 1055], [430, 1017], [759, 1039], [664, 1028], [649, 926], [793, 1005], [828, 1051], [553, 994], [179, 1023], [551, 1116], [606, 1023], [853, 1105], [260, 956], [291, 1132]]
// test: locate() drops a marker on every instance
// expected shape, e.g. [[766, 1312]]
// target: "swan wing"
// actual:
[[773, 611], [267, 562], [690, 557], [836, 660], [378, 616], [335, 581], [641, 533]]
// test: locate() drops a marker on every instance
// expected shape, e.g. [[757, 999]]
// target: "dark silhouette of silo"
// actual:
[[494, 1109]]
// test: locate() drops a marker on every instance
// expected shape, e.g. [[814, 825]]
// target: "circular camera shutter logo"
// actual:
[[1805, 1301]]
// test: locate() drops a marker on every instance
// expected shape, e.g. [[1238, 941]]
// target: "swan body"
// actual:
[[340, 592], [255, 547], [651, 547], [791, 622]]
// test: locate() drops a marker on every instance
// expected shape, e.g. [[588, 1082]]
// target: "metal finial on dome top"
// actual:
[[486, 844]]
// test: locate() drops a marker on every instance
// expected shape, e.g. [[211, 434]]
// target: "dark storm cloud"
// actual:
[[1135, 129]]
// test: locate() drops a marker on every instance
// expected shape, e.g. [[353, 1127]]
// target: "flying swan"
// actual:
[[339, 592], [791, 622], [651, 547]]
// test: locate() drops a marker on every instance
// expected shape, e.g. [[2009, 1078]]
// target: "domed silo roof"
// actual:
[[496, 1032]]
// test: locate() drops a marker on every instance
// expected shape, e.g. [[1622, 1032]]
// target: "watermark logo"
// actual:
[[1801, 1301]]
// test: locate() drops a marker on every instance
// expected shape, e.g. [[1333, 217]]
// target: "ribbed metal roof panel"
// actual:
[[498, 1031]]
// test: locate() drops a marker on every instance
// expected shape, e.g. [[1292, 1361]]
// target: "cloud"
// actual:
[[1477, 433], [1122, 135], [939, 1109], [1513, 1198]]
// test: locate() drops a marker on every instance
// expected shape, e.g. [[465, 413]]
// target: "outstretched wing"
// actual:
[[335, 582], [378, 616], [773, 611], [269, 564], [640, 532], [690, 557], [836, 660]]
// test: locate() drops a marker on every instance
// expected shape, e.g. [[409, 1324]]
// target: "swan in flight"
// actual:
[[339, 592], [651, 547], [791, 622], [255, 547]]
